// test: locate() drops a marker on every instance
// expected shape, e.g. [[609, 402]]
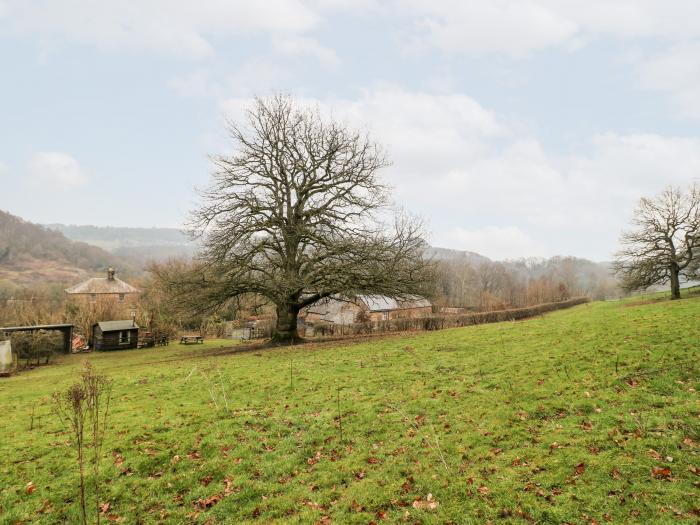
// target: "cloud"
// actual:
[[676, 71], [516, 28], [178, 27], [304, 46], [197, 84], [512, 28], [476, 175], [55, 169]]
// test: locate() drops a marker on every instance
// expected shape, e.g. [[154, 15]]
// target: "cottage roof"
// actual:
[[103, 285], [113, 326]]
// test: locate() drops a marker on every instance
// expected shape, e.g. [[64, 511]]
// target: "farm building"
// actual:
[[365, 308], [108, 288], [115, 335]]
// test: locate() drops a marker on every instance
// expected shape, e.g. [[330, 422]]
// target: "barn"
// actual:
[[372, 308], [115, 335]]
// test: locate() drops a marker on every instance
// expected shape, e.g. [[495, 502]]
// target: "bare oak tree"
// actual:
[[662, 248], [293, 216]]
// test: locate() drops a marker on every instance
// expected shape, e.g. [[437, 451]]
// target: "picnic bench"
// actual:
[[187, 339], [149, 340]]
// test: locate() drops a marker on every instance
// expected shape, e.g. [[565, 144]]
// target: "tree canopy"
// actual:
[[664, 244], [295, 215]]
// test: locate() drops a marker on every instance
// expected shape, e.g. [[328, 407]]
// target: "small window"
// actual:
[[124, 337], [385, 316], [93, 297], [121, 297]]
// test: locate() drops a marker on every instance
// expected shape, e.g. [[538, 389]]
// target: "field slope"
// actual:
[[589, 415]]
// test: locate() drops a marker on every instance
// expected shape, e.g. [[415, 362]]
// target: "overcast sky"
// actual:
[[516, 128]]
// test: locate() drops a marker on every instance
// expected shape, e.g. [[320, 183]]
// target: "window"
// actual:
[[385, 316], [93, 297], [121, 297], [124, 337]]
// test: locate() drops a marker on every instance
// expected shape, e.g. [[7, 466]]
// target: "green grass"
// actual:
[[556, 419]]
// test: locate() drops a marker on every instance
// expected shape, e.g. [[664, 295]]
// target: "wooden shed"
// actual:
[[115, 335]]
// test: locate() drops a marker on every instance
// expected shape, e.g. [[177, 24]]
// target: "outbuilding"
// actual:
[[115, 335], [372, 308]]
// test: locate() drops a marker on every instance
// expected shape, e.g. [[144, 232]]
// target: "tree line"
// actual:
[[483, 285]]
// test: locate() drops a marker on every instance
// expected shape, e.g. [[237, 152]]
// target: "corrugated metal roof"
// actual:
[[102, 285], [417, 302], [382, 303], [113, 326], [379, 303]]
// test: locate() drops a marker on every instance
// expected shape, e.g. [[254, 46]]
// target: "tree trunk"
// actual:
[[675, 283], [286, 329]]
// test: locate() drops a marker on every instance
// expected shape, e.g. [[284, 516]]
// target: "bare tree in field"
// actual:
[[292, 216], [662, 247]]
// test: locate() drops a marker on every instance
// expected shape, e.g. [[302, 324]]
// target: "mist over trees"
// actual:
[[663, 246], [477, 283]]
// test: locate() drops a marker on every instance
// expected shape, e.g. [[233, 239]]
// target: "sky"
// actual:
[[515, 128]]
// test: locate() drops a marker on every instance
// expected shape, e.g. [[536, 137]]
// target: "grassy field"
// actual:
[[588, 415]]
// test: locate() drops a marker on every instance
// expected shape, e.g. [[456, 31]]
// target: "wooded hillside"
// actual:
[[31, 253]]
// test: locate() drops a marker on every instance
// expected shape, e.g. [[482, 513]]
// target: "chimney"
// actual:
[[110, 274]]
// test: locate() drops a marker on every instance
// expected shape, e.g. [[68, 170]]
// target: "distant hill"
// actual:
[[139, 246], [31, 253], [448, 254]]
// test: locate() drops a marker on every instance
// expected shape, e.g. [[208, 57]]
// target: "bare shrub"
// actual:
[[85, 406]]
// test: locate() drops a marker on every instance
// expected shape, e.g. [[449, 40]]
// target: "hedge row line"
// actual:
[[440, 322]]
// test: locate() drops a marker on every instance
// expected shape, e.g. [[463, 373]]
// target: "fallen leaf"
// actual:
[[580, 469], [483, 490], [661, 473], [428, 503], [356, 506], [29, 487], [205, 503]]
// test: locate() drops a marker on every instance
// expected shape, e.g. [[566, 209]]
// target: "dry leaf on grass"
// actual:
[[661, 473], [428, 503]]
